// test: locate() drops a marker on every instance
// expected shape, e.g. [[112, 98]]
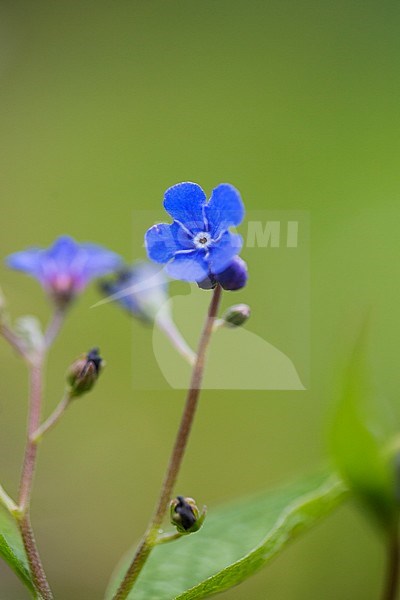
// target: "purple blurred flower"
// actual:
[[141, 289], [198, 242], [65, 268]]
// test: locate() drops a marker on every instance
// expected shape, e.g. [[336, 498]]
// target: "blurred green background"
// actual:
[[103, 106]]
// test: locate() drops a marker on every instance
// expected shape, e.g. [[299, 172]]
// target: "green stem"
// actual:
[[7, 501], [391, 585], [164, 538], [52, 419], [150, 538]]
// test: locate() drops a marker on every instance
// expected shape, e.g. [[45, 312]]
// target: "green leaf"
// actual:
[[360, 441], [227, 550], [12, 549]]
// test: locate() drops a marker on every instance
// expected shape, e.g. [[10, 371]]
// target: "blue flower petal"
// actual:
[[141, 289], [225, 209], [121, 291], [188, 266], [222, 252], [63, 250], [26, 260], [163, 241], [78, 262], [185, 203], [96, 261], [60, 260]]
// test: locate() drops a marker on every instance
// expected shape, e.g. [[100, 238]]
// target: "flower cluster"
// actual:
[[199, 246]]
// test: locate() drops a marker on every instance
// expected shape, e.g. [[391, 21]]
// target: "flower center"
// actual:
[[202, 239]]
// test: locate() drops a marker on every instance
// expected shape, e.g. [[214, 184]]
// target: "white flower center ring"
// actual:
[[202, 239]]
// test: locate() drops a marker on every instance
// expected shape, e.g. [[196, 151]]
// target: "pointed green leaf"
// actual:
[[234, 542], [12, 549], [360, 440]]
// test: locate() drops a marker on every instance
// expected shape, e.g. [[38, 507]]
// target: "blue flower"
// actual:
[[65, 268], [198, 243], [141, 289]]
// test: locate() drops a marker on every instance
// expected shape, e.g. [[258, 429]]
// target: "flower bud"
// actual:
[[185, 515], [234, 277], [84, 372], [236, 315]]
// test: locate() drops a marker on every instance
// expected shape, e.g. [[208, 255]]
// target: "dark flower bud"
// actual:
[[84, 372], [185, 515], [234, 277], [236, 315]]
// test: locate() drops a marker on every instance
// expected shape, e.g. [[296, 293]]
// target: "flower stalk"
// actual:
[[54, 327], [166, 324], [63, 270], [53, 419], [29, 464], [28, 470], [151, 537], [14, 340], [165, 538], [33, 424]]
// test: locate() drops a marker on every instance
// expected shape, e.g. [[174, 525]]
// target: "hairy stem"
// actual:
[[150, 538], [29, 464], [38, 574], [28, 468], [391, 585]]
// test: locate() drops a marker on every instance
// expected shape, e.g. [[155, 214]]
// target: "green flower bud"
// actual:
[[84, 372], [236, 315], [185, 515]]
